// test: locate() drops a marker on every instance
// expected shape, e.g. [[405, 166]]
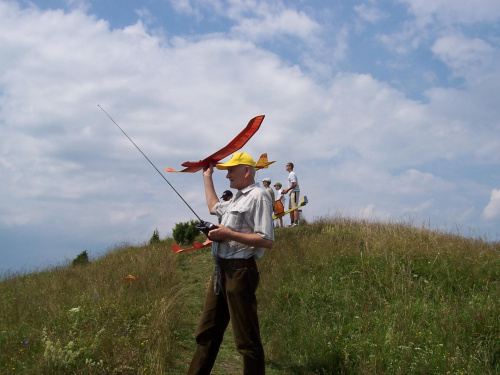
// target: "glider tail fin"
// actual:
[[263, 162], [176, 248]]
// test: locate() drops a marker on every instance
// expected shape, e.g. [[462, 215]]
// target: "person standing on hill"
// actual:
[[282, 199], [226, 195], [293, 186], [267, 185], [246, 230]]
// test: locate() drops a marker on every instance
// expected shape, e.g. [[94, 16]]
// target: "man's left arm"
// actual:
[[251, 239]]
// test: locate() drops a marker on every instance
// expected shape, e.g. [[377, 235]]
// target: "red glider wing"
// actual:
[[237, 143], [196, 245], [189, 169]]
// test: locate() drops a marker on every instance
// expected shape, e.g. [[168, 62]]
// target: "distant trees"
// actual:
[[186, 232], [82, 259], [155, 238], [183, 233]]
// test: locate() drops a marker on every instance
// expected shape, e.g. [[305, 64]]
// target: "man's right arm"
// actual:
[[210, 193]]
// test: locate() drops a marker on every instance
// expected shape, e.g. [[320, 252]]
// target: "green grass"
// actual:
[[338, 296]]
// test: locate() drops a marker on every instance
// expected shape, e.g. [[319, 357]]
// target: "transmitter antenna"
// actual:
[[150, 162]]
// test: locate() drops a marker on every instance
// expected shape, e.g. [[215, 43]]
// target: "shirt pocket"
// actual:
[[236, 217]]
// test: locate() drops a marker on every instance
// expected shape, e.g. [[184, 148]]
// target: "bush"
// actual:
[[155, 238], [185, 233], [82, 259]]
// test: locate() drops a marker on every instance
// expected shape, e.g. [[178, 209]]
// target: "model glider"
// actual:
[[196, 245], [238, 142], [263, 162], [303, 203]]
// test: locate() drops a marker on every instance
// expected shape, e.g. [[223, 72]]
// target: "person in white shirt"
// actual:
[[293, 188]]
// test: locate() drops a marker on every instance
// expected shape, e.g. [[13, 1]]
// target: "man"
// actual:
[[227, 195], [293, 186], [246, 229], [267, 186]]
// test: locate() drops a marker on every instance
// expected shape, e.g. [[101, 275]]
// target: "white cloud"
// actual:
[[453, 11], [368, 212], [435, 19], [413, 181], [270, 26], [370, 14], [465, 56], [255, 20], [295, 33], [184, 6], [492, 210], [405, 40], [358, 143], [81, 5]]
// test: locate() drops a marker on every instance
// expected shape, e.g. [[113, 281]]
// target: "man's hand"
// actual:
[[208, 171], [219, 234]]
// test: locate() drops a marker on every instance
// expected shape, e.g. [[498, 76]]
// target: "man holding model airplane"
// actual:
[[246, 229]]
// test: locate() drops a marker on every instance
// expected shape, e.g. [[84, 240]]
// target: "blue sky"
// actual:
[[389, 109]]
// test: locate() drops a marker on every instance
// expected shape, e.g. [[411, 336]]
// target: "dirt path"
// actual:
[[195, 268]]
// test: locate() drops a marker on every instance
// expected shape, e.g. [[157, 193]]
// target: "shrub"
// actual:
[[184, 233], [155, 238], [82, 259]]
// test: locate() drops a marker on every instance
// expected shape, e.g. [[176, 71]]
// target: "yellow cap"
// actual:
[[239, 158]]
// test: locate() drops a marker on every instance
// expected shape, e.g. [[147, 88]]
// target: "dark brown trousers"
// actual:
[[236, 302]]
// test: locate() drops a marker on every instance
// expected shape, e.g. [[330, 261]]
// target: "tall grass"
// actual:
[[91, 319], [353, 297], [338, 296]]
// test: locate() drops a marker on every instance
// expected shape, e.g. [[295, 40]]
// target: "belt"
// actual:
[[237, 263]]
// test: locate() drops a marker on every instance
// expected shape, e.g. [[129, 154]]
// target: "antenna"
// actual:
[[150, 162]]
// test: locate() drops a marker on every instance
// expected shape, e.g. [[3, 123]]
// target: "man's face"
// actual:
[[277, 187], [288, 167], [236, 176]]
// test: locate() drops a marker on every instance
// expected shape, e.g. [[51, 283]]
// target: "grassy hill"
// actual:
[[338, 296]]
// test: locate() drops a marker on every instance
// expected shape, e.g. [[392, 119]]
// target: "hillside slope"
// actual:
[[336, 297]]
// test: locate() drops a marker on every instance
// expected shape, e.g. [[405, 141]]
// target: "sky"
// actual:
[[390, 111]]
